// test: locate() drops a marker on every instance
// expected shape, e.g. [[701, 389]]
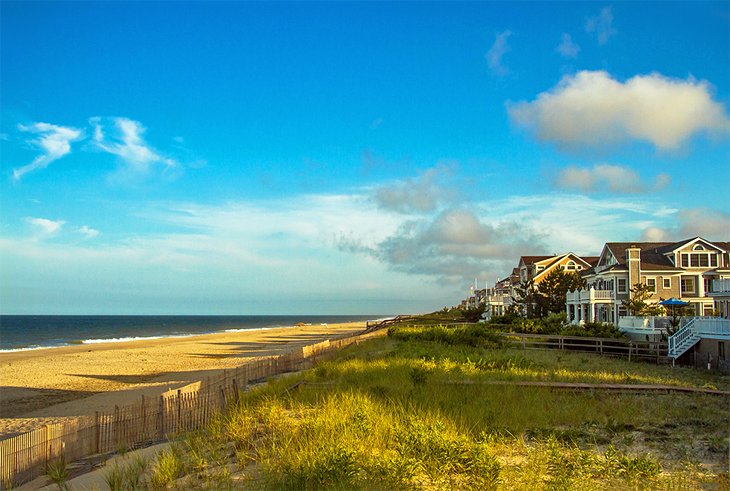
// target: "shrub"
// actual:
[[476, 335]]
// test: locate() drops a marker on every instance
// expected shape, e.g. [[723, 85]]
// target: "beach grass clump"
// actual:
[[58, 472], [167, 468], [127, 476], [351, 441], [474, 335]]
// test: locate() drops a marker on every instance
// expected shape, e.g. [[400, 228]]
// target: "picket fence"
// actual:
[[27, 456]]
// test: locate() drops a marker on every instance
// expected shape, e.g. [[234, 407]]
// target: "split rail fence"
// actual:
[[27, 456], [633, 350]]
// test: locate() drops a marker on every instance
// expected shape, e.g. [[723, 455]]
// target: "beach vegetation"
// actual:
[[167, 468], [58, 472], [437, 407]]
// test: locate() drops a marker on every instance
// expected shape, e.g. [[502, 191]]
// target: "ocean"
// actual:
[[26, 332]]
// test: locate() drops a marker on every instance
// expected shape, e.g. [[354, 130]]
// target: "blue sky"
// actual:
[[293, 158]]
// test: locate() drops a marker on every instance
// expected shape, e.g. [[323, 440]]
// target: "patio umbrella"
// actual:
[[673, 302]]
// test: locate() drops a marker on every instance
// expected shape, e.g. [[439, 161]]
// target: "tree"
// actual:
[[637, 303], [553, 288], [525, 298]]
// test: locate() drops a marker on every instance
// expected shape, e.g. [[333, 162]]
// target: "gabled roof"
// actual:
[[526, 260], [655, 255]]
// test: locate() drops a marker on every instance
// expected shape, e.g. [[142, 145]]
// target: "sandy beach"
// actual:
[[49, 385]]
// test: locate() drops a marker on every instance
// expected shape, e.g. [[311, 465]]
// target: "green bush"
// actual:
[[593, 329], [475, 335]]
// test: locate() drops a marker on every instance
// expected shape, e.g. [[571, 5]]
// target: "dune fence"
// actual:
[[150, 420]]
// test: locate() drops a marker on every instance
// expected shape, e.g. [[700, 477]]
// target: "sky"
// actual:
[[345, 158]]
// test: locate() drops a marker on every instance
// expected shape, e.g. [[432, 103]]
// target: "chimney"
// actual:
[[633, 261]]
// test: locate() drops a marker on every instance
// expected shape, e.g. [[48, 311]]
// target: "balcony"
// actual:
[[590, 296], [720, 286]]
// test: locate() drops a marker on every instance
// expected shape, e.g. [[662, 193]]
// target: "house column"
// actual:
[[700, 286]]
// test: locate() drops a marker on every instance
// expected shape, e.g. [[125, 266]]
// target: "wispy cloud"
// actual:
[[54, 141], [496, 53], [591, 109], [567, 48], [88, 232], [123, 137], [418, 195], [43, 227], [607, 177], [601, 25]]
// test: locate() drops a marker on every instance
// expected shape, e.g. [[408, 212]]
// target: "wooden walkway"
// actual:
[[584, 386]]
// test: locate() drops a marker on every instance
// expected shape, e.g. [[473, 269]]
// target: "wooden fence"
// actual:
[[25, 457], [633, 350]]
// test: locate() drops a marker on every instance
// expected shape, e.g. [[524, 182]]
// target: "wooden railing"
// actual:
[[633, 350], [26, 456]]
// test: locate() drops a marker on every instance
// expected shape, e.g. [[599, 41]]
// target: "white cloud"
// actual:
[[126, 142], [591, 109], [54, 141], [607, 177], [88, 232], [44, 227], [497, 51], [567, 48], [455, 246], [601, 25], [419, 195], [692, 222]]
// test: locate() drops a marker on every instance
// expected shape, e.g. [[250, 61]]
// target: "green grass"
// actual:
[[416, 411]]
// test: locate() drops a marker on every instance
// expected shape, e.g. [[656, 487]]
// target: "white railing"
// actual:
[[721, 285], [712, 326], [648, 323], [695, 329], [679, 338], [590, 295]]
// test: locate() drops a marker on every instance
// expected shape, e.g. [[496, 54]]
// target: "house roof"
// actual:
[[655, 255], [533, 259]]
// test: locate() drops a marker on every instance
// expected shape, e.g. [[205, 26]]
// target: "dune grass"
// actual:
[[397, 413]]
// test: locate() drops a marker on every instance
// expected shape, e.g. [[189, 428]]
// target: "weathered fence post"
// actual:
[[223, 399], [630, 350], [161, 418], [178, 423], [115, 427], [144, 420], [97, 432], [235, 391]]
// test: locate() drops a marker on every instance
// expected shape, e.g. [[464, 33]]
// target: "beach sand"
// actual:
[[49, 385]]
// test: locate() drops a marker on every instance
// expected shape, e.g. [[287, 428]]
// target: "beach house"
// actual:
[[684, 270]]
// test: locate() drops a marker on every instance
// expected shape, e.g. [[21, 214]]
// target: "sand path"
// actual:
[[44, 386]]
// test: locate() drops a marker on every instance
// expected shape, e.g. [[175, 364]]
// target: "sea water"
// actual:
[[25, 332]]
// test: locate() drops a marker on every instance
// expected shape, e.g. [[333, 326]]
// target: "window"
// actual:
[[651, 283], [622, 285], [667, 283], [570, 266], [698, 247], [688, 285], [708, 284], [699, 260]]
